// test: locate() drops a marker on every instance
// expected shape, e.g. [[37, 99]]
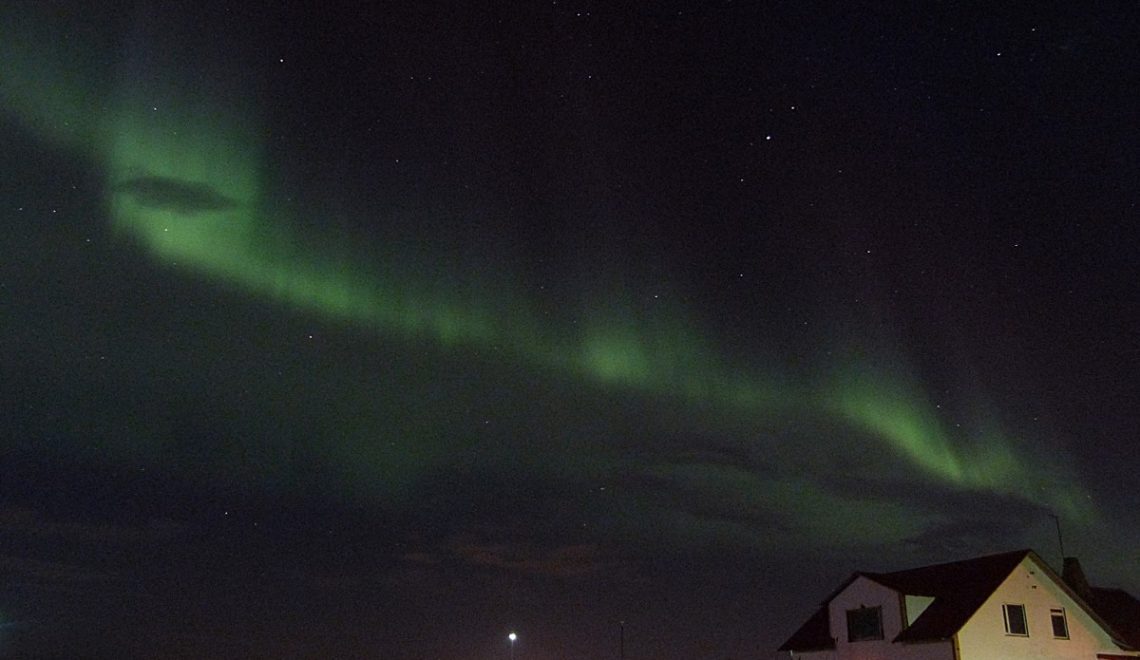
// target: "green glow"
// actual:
[[889, 412], [155, 129], [892, 409]]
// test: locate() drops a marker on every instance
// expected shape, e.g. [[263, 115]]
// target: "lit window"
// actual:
[[1015, 620], [1060, 625], [864, 623]]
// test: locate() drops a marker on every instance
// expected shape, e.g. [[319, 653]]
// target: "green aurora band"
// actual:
[[136, 127]]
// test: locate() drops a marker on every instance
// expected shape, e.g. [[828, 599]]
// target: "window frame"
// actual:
[[1055, 614], [878, 612], [1006, 608]]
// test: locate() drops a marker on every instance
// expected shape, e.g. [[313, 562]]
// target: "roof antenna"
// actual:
[[1060, 541]]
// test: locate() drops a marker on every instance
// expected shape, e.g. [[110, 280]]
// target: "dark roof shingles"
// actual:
[[814, 635], [1121, 610]]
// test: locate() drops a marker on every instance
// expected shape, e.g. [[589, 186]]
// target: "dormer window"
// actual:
[[865, 623], [1015, 620]]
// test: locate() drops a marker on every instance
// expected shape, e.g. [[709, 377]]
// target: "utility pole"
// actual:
[[621, 639]]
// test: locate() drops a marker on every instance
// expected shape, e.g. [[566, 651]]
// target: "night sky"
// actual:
[[383, 330]]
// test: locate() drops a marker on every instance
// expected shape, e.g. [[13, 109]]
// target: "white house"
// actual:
[[1009, 606]]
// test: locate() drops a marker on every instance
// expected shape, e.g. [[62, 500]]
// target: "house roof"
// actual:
[[959, 589], [815, 635], [1121, 610]]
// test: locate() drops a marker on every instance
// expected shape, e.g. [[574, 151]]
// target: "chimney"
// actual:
[[1074, 576]]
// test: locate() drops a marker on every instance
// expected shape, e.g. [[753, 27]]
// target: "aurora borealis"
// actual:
[[446, 323]]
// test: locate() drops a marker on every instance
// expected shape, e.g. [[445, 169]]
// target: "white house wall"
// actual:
[[984, 637], [863, 592]]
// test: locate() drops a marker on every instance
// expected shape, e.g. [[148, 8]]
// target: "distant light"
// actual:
[[512, 637]]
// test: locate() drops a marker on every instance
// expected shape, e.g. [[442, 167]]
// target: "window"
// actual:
[[864, 623], [1060, 625], [1015, 620]]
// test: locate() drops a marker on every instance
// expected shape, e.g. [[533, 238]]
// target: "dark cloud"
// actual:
[[51, 575], [565, 561]]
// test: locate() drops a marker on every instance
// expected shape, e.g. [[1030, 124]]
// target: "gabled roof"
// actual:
[[815, 635], [959, 589]]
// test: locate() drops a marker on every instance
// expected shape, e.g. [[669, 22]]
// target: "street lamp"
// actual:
[[512, 637]]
